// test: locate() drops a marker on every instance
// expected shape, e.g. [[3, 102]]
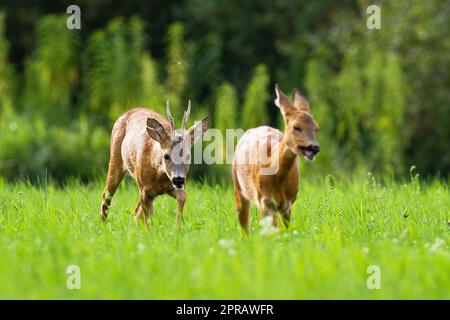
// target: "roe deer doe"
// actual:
[[276, 189], [155, 154]]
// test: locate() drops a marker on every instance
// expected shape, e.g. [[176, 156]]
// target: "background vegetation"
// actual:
[[380, 96]]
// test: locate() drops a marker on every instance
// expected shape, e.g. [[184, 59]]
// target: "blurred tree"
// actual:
[[350, 109], [254, 111], [272, 32], [318, 96], [177, 69], [391, 131], [419, 33], [225, 117], [114, 55], [226, 107], [153, 95], [368, 93], [22, 17], [7, 74], [206, 71], [51, 74]]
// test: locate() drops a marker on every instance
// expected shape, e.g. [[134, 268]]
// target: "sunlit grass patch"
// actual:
[[339, 228]]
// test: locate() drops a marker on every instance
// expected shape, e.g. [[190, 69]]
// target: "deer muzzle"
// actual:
[[178, 182]]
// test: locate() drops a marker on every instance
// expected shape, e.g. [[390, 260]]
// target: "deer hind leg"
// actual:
[[115, 176], [243, 210], [144, 208], [241, 203], [116, 170]]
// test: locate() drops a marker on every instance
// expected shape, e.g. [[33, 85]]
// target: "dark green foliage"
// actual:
[[380, 96], [38, 150], [7, 74]]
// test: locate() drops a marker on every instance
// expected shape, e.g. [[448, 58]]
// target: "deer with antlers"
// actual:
[[265, 166], [147, 145]]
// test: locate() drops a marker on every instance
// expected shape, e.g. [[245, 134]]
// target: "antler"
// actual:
[[170, 118], [185, 117]]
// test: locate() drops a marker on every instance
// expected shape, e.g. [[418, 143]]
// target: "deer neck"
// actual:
[[285, 157]]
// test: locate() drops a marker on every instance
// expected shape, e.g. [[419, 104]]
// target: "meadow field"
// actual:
[[340, 227]]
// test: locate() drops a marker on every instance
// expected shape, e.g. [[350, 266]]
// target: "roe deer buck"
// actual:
[[276, 189], [154, 153]]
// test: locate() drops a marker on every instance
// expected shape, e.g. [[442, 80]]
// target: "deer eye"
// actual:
[[298, 129], [166, 156]]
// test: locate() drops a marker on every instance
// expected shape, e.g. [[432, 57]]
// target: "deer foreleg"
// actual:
[[180, 195], [285, 210]]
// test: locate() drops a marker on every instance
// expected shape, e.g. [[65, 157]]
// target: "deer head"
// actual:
[[176, 144], [300, 127]]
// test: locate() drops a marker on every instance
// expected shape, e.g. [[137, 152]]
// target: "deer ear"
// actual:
[[282, 101], [299, 101], [156, 130], [197, 130]]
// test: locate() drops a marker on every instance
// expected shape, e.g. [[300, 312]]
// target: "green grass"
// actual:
[[339, 228]]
